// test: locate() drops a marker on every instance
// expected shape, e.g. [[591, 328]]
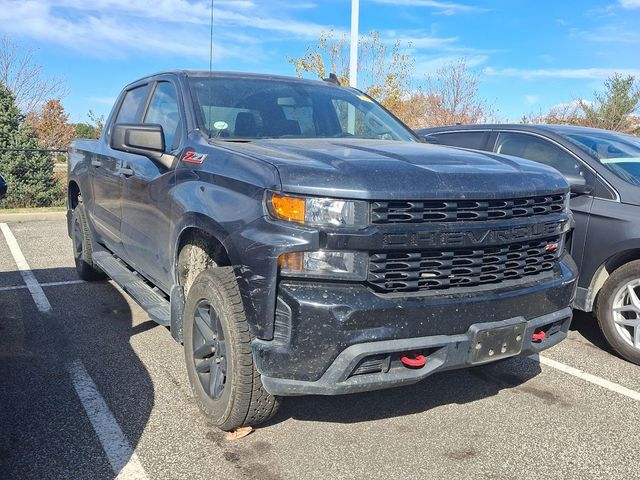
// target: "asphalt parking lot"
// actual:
[[92, 389]]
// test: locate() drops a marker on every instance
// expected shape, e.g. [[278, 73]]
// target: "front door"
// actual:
[[146, 209]]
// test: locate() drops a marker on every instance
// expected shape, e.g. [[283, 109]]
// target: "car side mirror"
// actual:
[[430, 139], [3, 186], [579, 185], [145, 139]]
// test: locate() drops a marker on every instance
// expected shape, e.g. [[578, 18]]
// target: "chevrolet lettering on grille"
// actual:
[[475, 237]]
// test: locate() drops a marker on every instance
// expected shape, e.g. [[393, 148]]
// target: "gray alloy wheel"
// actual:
[[626, 313], [209, 350], [618, 311]]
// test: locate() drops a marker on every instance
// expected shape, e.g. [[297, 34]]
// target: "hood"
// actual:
[[385, 170]]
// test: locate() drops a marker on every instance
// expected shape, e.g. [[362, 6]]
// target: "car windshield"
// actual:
[[618, 152], [232, 108]]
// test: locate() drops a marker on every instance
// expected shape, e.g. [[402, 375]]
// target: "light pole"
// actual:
[[353, 63], [353, 57]]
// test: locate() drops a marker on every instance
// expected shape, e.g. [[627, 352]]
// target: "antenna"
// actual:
[[208, 121]]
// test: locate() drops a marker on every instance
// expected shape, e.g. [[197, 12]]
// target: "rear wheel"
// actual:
[[618, 311], [83, 247], [217, 347]]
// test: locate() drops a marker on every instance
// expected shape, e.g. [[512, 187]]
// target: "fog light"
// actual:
[[325, 264]]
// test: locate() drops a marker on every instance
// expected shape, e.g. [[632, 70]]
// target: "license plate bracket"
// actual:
[[490, 344]]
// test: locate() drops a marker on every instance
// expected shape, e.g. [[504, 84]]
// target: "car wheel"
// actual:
[[217, 346], [83, 247], [618, 311]]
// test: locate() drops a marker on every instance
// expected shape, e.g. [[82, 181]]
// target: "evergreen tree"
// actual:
[[29, 172]]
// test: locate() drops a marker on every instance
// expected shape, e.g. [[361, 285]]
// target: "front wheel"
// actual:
[[618, 311], [217, 346]]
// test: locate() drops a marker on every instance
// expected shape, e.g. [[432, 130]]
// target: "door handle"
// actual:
[[96, 163], [126, 171]]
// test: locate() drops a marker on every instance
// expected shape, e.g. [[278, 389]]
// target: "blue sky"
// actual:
[[533, 54]]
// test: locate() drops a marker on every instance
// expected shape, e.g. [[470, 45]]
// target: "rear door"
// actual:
[[543, 150], [146, 191], [106, 175]]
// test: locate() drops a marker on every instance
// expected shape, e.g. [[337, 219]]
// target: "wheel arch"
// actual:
[[586, 299]]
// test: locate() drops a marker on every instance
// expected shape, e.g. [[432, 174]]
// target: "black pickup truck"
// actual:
[[299, 239]]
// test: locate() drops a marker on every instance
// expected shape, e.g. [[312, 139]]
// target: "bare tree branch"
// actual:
[[25, 78]]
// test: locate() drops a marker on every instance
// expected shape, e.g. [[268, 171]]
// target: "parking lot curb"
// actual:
[[32, 217]]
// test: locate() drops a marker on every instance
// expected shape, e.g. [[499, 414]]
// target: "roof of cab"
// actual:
[[237, 75]]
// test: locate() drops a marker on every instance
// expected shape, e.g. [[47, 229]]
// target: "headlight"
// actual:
[[325, 264], [319, 212]]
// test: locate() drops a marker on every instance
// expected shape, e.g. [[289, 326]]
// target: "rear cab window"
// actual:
[[133, 104]]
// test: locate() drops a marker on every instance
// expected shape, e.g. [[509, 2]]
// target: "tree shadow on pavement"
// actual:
[[46, 432]]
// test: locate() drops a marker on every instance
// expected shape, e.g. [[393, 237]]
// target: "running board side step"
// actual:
[[149, 298]]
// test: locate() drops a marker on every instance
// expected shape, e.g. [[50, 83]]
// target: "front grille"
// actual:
[[385, 212], [444, 269]]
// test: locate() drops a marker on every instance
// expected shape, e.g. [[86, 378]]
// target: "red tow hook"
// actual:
[[413, 360], [538, 336]]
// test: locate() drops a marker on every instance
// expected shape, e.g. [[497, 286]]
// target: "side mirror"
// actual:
[[579, 185], [3, 186], [430, 139], [145, 139]]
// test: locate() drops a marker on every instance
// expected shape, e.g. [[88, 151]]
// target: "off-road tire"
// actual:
[[83, 246], [605, 315], [243, 401]]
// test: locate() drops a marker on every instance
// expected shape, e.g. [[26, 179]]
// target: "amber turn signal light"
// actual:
[[291, 262], [288, 208]]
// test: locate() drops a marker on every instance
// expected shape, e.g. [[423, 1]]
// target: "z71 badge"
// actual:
[[193, 157]]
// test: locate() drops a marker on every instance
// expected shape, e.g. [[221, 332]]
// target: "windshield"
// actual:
[[246, 108], [618, 152]]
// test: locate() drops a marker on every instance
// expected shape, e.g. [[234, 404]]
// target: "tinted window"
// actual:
[[618, 152], [133, 104], [248, 108], [474, 140], [540, 150], [163, 110]]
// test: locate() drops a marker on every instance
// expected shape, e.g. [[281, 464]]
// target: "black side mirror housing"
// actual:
[[579, 185], [145, 139], [3, 186], [430, 139]]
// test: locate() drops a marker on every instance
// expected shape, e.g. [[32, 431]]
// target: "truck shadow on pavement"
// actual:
[[454, 387], [586, 325], [46, 430]]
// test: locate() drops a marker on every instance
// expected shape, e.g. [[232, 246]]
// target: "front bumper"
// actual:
[[327, 336]]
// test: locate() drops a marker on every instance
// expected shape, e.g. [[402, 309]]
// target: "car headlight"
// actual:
[[319, 212], [325, 264]]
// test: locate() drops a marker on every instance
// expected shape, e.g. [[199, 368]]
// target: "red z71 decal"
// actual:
[[193, 157]]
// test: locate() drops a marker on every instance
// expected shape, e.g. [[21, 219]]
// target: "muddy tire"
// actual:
[[83, 246], [217, 346]]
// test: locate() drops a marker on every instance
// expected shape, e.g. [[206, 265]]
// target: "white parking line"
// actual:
[[46, 284], [593, 379], [124, 462], [27, 275]]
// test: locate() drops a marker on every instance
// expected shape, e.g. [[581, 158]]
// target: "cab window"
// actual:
[[163, 110], [133, 105]]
